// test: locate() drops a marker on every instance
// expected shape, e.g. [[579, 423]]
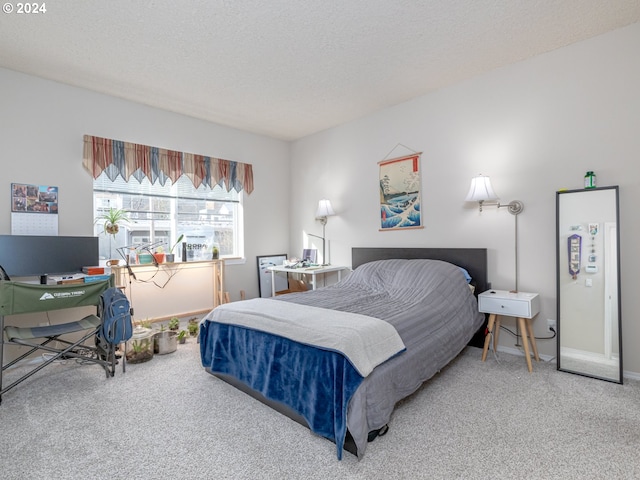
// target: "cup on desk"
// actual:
[[113, 263]]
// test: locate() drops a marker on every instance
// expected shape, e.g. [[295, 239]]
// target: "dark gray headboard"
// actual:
[[474, 260]]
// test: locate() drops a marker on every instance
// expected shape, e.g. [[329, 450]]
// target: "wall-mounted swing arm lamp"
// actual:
[[324, 211], [481, 192]]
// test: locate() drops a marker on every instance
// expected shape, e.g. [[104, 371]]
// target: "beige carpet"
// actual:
[[168, 418]]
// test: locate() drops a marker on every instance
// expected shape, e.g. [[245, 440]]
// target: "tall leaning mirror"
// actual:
[[588, 283]]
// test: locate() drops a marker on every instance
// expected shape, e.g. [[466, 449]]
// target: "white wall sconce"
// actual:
[[324, 211], [481, 192]]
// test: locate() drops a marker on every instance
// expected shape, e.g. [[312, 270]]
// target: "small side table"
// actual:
[[524, 306]]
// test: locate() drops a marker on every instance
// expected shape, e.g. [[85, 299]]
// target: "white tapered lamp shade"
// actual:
[[481, 190], [324, 209]]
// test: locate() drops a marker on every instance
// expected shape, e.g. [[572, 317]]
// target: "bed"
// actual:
[[423, 295]]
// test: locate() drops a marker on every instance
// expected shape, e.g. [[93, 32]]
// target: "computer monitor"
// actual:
[[33, 255]]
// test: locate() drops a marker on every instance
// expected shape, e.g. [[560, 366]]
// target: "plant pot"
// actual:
[[140, 345], [145, 258], [159, 257], [111, 228], [165, 342], [169, 258]]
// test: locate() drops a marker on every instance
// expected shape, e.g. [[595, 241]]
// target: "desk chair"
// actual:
[[17, 298]]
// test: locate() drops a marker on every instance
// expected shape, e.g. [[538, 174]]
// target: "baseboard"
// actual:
[[548, 358], [631, 375], [517, 351]]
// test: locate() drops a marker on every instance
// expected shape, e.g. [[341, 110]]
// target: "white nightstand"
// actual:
[[524, 306]]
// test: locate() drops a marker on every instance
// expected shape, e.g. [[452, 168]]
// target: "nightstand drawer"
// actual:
[[525, 305]]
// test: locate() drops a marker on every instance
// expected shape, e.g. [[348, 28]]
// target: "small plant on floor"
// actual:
[[138, 346], [140, 351], [182, 336], [193, 329], [192, 326], [145, 323], [174, 323]]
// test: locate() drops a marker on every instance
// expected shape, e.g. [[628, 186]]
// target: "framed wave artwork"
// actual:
[[400, 202]]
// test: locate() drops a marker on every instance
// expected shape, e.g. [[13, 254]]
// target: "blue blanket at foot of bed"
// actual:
[[315, 383]]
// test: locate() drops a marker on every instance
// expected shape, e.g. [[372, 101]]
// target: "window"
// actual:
[[160, 214]]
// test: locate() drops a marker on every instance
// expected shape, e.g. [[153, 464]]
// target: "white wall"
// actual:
[[41, 129], [534, 127]]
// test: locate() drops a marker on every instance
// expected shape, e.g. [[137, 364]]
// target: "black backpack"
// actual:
[[115, 313]]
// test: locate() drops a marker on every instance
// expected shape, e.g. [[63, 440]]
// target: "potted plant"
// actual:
[[140, 346], [182, 336], [170, 257], [111, 223], [159, 255], [174, 323], [112, 220], [192, 326], [144, 257]]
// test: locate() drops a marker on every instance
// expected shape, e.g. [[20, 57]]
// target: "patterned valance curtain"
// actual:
[[114, 157]]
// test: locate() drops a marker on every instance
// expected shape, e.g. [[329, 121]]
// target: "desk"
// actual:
[[179, 289], [313, 271], [524, 306]]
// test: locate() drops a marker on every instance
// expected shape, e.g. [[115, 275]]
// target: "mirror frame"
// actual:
[[559, 269]]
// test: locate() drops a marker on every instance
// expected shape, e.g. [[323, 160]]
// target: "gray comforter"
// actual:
[[434, 311]]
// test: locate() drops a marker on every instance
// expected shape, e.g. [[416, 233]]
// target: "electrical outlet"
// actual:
[[551, 325]]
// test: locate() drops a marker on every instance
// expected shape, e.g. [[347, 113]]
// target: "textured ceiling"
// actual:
[[288, 68]]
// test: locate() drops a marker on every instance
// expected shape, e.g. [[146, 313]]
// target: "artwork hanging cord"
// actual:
[[400, 201]]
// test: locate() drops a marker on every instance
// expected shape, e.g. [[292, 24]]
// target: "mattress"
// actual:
[[430, 305]]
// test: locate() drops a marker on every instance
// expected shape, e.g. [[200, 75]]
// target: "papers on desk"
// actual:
[[66, 279], [76, 278], [302, 267]]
